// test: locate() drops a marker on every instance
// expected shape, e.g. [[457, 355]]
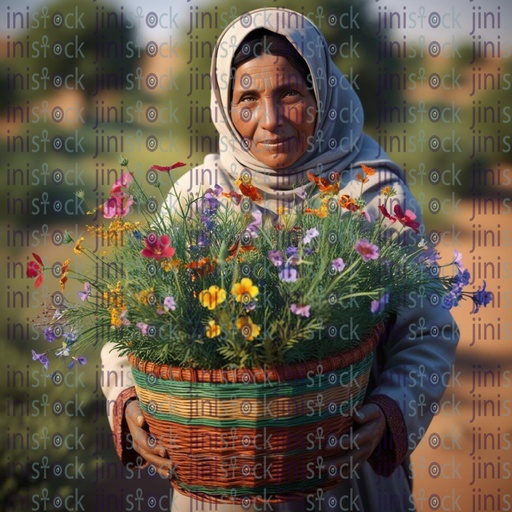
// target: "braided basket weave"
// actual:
[[239, 435]]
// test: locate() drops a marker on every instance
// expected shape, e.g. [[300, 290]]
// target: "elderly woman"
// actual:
[[282, 108]]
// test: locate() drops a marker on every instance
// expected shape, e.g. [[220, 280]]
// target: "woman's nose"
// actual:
[[271, 115]]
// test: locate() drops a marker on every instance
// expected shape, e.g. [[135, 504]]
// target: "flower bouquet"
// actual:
[[246, 332]]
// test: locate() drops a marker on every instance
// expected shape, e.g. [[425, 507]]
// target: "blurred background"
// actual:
[[83, 82]]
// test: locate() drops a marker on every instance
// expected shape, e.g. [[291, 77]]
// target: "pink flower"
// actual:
[[338, 264], [170, 303], [377, 306], [407, 219], [157, 247], [123, 182], [117, 205], [367, 250], [301, 310], [143, 328], [367, 216]]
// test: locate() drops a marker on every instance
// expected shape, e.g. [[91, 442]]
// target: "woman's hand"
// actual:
[[363, 441], [144, 443]]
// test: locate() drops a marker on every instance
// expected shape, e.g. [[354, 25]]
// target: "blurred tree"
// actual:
[[81, 45]]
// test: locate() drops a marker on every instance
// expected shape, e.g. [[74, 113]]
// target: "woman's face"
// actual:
[[273, 110]]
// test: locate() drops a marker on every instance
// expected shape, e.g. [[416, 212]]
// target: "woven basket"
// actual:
[[242, 435]]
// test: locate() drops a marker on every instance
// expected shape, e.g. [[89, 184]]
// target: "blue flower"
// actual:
[[79, 360], [42, 358], [49, 334], [481, 298]]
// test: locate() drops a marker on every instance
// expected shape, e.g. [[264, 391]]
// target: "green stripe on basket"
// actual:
[[252, 390], [301, 419], [265, 490]]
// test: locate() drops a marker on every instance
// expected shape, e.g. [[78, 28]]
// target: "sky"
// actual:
[[461, 11]]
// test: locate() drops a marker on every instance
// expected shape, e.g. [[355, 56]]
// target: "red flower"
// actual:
[[167, 168], [157, 248], [407, 219], [35, 269], [386, 214]]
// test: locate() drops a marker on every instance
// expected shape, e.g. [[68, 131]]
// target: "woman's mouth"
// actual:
[[276, 143]]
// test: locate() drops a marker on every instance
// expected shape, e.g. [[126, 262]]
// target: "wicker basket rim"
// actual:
[[280, 373]]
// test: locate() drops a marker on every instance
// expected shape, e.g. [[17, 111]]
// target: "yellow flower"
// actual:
[[78, 249], [142, 297], [249, 329], [115, 318], [212, 297], [166, 265], [213, 329], [244, 291]]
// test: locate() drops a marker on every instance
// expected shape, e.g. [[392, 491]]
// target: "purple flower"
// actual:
[[143, 328], [338, 264], [216, 190], [86, 293], [276, 257], [79, 360], [49, 334], [378, 306], [70, 337], [42, 358], [367, 250], [170, 303], [255, 226], [451, 299], [301, 193], [481, 298], [288, 275], [431, 256], [310, 234], [458, 260], [301, 310], [462, 278], [291, 251]]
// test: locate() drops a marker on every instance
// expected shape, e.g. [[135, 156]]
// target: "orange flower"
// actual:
[[213, 329], [369, 171], [200, 268], [248, 329], [324, 185], [319, 212], [348, 203]]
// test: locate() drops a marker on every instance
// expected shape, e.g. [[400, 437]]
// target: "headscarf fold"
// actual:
[[339, 142]]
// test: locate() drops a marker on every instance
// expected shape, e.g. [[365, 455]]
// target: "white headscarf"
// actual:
[[339, 141]]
